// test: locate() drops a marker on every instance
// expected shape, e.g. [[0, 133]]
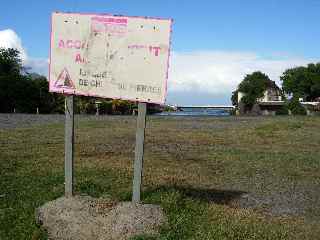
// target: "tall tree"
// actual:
[[10, 61], [22, 91], [10, 78], [234, 98], [302, 81], [253, 87]]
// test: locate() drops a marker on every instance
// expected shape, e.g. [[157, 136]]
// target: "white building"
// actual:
[[271, 94], [271, 100]]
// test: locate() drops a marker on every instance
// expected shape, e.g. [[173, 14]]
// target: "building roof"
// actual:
[[272, 84]]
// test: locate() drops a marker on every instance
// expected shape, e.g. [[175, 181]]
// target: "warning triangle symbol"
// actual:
[[64, 80]]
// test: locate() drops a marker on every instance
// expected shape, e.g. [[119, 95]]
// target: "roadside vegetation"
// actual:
[[216, 178]]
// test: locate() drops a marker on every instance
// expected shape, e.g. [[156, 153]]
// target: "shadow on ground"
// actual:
[[209, 195]]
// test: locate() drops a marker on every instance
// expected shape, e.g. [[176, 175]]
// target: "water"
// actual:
[[196, 112]]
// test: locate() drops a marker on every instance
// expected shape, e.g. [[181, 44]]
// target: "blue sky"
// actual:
[[214, 43]]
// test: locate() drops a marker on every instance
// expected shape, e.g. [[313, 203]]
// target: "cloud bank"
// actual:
[[197, 77], [213, 75]]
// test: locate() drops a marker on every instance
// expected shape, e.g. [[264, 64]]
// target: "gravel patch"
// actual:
[[25, 120], [87, 218], [18, 120], [276, 204]]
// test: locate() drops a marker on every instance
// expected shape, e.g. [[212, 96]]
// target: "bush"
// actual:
[[296, 107], [105, 107], [283, 110], [317, 108], [256, 110], [85, 105]]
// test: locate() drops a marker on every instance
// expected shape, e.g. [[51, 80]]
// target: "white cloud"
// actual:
[[217, 73], [38, 65], [9, 39]]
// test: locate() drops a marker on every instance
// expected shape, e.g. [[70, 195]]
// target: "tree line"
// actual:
[[297, 83], [23, 91]]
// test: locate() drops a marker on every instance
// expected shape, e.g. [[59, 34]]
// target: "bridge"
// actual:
[[206, 107]]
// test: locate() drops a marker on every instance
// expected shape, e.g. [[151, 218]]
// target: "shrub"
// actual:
[[296, 107], [283, 110], [317, 108], [105, 107], [256, 110]]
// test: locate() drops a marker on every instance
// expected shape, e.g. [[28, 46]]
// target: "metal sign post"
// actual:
[[139, 150], [69, 140]]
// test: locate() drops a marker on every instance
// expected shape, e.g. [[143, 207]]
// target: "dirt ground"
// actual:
[[87, 218]]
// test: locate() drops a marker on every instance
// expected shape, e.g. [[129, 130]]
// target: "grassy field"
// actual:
[[216, 178]]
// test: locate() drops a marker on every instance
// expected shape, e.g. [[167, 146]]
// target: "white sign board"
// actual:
[[110, 56]]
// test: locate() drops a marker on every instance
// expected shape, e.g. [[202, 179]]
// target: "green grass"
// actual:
[[197, 169]]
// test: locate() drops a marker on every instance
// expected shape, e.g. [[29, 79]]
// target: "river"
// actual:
[[196, 112]]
